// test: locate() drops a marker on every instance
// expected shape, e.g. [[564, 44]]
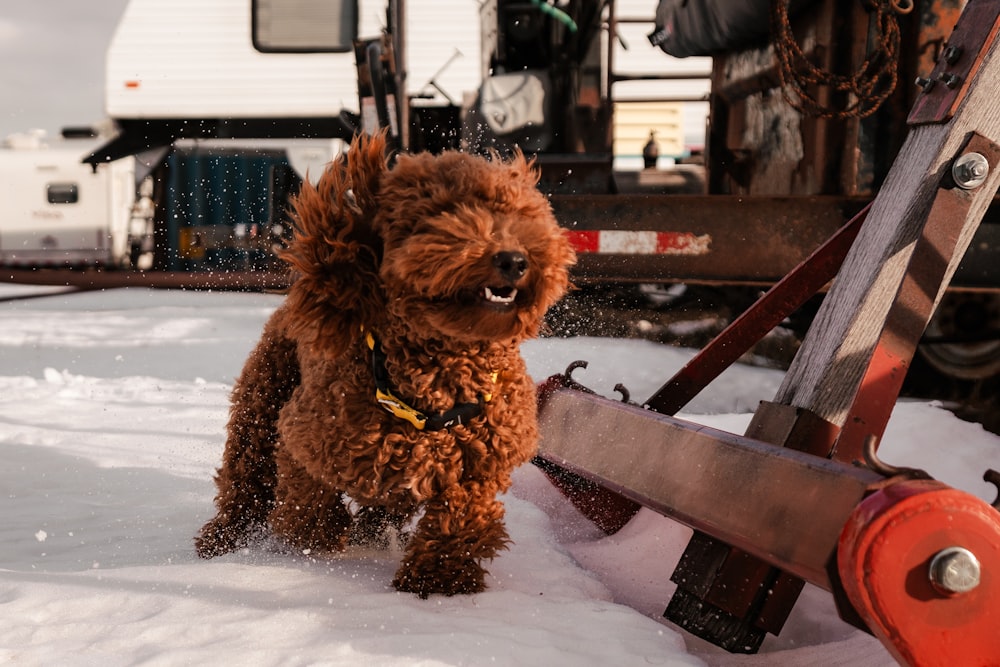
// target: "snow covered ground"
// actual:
[[112, 410]]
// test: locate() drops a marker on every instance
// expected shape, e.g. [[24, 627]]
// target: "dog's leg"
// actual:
[[459, 529], [246, 480], [307, 514]]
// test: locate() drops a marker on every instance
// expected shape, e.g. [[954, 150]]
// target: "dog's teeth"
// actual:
[[496, 298]]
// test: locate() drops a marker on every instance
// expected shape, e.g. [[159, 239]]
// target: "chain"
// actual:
[[866, 89]]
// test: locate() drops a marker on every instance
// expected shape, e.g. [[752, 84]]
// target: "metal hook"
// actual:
[[993, 477], [875, 464], [567, 377], [568, 373], [621, 389]]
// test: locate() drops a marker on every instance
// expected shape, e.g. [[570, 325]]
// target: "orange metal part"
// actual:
[[884, 560]]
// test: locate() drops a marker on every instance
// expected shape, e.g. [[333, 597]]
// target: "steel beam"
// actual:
[[747, 240], [743, 239], [783, 506]]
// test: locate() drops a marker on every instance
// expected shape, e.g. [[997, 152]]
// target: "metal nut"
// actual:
[[970, 171], [952, 54], [954, 571]]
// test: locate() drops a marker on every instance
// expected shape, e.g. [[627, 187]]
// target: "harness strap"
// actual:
[[460, 414]]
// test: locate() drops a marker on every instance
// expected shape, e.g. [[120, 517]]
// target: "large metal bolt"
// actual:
[[970, 171], [954, 571]]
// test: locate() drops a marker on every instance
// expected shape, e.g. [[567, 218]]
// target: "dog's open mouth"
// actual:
[[499, 296]]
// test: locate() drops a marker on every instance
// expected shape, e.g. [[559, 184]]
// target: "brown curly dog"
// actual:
[[390, 381]]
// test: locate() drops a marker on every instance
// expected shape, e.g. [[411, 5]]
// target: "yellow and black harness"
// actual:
[[460, 414]]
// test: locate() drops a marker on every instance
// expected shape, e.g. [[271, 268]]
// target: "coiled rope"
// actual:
[[865, 89]]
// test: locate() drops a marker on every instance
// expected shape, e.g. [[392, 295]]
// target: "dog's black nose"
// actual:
[[510, 264]]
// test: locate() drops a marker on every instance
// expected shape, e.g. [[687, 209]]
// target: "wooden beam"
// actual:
[[825, 374]]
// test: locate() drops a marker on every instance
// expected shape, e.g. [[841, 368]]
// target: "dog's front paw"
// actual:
[[442, 576], [220, 536]]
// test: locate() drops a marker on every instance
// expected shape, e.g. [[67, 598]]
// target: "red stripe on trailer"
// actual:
[[618, 242], [584, 242]]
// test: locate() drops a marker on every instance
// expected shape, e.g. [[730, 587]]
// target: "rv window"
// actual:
[[62, 193], [304, 25]]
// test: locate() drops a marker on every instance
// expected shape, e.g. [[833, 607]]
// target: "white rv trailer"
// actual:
[[256, 69], [200, 59], [59, 211], [286, 68]]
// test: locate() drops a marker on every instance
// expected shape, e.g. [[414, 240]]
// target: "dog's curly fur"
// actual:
[[410, 254]]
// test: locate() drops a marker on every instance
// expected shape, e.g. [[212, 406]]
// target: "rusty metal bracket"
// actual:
[[948, 84]]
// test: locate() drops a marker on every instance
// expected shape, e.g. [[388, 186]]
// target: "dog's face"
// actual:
[[471, 249]]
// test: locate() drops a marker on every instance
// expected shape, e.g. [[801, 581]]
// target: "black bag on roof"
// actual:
[[708, 27]]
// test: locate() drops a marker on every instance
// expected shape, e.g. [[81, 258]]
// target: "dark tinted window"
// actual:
[[62, 193], [304, 25]]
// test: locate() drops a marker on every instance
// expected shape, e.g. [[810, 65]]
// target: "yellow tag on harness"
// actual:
[[400, 409]]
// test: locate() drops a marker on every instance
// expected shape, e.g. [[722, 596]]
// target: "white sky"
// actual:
[[52, 62]]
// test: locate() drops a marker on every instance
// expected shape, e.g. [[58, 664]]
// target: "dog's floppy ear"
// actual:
[[335, 253]]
